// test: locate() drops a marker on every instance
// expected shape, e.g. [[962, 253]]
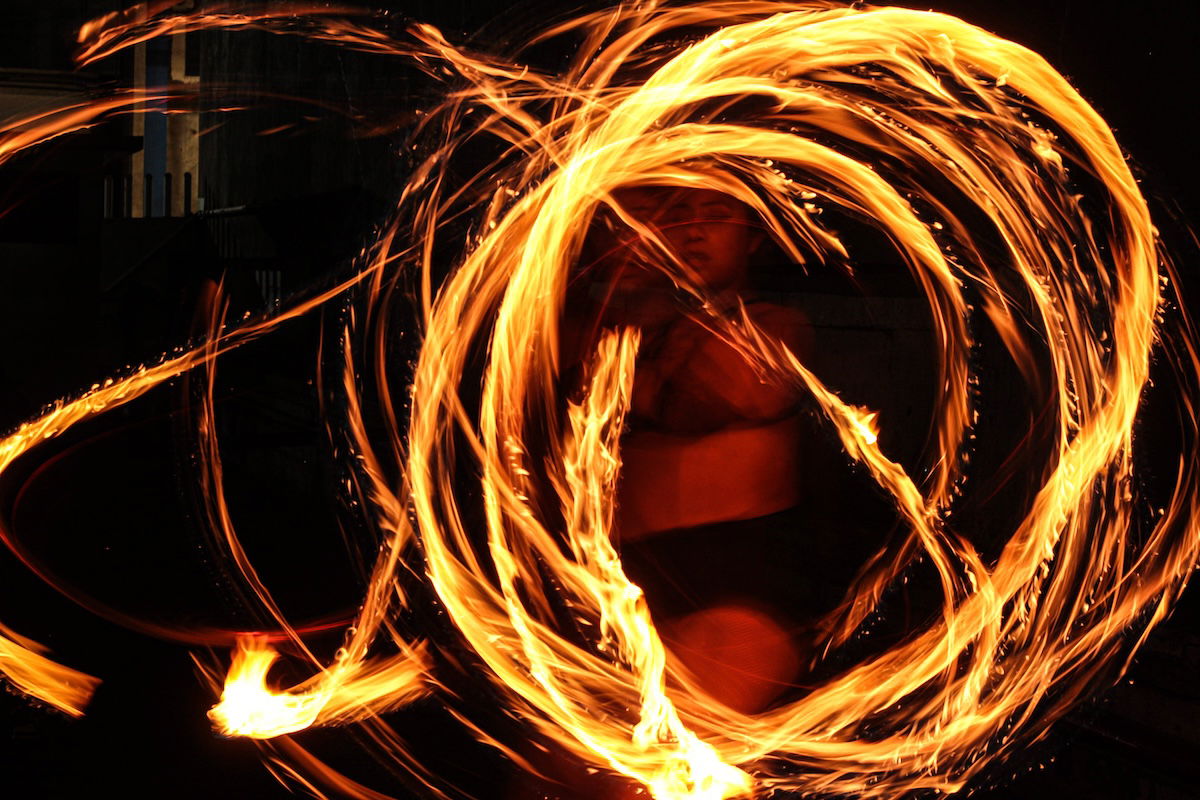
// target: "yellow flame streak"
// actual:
[[111, 33], [346, 692], [23, 663], [34, 129], [355, 687], [375, 684], [1006, 640]]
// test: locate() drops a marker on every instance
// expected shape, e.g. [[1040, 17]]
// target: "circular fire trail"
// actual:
[[1015, 213]]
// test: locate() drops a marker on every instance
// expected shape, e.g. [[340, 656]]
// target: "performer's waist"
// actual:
[[670, 482]]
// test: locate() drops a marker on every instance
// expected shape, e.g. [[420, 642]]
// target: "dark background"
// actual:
[[87, 287]]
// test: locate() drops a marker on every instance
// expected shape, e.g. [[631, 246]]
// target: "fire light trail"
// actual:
[[916, 122]]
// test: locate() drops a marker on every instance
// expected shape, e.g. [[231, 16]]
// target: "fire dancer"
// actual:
[[710, 461]]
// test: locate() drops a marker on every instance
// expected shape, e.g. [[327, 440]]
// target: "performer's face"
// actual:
[[709, 231]]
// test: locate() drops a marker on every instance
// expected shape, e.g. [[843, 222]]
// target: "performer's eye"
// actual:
[[718, 211], [675, 215]]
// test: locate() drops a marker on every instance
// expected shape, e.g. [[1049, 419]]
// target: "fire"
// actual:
[[25, 665], [249, 708], [860, 109], [341, 694]]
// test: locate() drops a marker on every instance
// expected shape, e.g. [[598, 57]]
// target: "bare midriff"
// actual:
[[671, 481]]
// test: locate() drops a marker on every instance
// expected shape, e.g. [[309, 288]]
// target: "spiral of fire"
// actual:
[[853, 103], [1012, 207]]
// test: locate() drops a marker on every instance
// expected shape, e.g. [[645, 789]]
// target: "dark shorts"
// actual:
[[786, 562]]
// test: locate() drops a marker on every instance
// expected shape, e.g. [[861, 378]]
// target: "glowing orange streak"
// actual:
[[1012, 659], [112, 33], [509, 355], [25, 132], [348, 691], [351, 690], [22, 663], [354, 688], [246, 701]]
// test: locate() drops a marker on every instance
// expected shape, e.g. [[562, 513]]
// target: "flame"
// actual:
[[936, 96], [342, 694], [249, 708], [24, 663], [859, 109]]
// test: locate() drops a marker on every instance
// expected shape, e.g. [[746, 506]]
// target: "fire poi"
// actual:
[[1000, 189]]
